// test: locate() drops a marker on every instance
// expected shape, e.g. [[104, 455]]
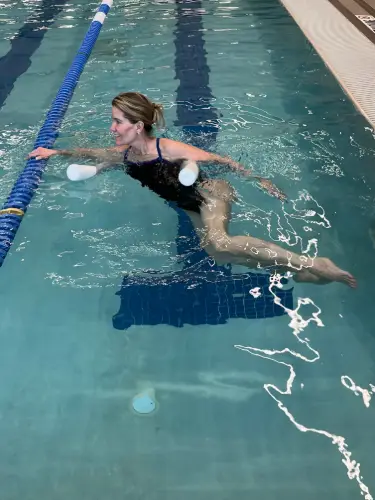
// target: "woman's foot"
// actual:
[[327, 270]]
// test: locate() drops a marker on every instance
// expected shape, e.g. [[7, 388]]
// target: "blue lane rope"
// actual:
[[28, 181]]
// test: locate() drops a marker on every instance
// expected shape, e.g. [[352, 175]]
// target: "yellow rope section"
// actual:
[[12, 211]]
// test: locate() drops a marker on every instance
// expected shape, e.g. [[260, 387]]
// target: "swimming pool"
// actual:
[[69, 377]]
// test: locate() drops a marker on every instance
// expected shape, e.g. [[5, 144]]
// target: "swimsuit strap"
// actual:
[[160, 158], [126, 153], [158, 148]]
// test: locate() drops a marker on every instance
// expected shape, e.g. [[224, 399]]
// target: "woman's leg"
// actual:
[[212, 225]]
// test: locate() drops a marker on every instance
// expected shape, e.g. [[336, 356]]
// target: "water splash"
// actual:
[[280, 227]]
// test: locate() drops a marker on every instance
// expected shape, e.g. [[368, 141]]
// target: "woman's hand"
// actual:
[[42, 153], [272, 189]]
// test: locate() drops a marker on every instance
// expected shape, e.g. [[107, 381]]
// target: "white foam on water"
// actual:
[[255, 292], [366, 394]]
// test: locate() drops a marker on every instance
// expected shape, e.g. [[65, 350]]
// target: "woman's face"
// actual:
[[124, 131]]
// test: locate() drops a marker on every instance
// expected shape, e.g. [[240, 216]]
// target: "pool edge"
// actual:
[[346, 51]]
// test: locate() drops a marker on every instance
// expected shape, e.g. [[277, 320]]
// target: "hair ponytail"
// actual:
[[158, 118]]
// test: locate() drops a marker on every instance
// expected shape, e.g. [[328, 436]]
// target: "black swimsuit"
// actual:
[[161, 176]]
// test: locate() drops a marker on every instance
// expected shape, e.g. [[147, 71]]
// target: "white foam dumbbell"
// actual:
[[188, 173], [77, 172]]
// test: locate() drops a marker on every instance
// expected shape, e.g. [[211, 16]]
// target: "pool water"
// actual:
[[262, 408]]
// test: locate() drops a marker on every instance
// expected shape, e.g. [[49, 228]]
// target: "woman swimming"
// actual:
[[156, 163]]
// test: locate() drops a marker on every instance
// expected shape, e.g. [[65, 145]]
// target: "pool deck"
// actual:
[[346, 44]]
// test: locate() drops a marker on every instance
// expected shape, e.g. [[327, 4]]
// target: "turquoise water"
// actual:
[[68, 377]]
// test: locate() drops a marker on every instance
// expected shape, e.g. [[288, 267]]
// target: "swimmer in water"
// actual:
[[156, 163]]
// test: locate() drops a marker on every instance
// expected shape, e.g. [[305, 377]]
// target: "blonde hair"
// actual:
[[136, 107]]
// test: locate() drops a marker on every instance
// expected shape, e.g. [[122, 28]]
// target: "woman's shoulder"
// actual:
[[180, 151], [168, 144], [173, 149]]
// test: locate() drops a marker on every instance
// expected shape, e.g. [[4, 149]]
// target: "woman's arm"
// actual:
[[179, 151], [109, 156]]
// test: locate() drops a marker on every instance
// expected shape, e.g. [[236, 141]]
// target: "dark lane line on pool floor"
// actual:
[[202, 293], [28, 39]]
